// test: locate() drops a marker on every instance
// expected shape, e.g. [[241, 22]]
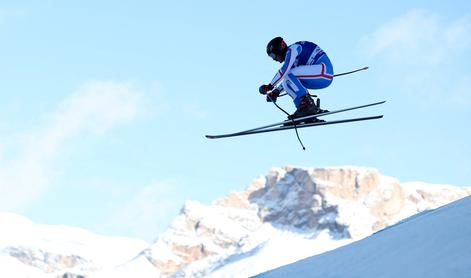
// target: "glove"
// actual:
[[273, 95], [264, 89]]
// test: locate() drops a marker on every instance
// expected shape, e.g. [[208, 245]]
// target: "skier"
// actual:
[[306, 66]]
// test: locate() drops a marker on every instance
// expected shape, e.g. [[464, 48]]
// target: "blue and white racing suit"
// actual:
[[306, 66]]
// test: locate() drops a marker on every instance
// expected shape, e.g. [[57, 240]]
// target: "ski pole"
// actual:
[[340, 74], [292, 120], [350, 72]]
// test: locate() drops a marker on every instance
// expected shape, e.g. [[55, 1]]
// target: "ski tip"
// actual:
[[209, 136]]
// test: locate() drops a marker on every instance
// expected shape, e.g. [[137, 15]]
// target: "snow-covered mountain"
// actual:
[[433, 244], [32, 250], [287, 215]]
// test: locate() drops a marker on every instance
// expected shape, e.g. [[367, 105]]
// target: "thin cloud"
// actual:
[[420, 38], [148, 212], [94, 108], [424, 53]]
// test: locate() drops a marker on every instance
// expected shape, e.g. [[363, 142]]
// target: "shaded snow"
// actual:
[[434, 244], [295, 247]]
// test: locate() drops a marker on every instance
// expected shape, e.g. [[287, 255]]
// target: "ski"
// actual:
[[295, 120], [256, 131]]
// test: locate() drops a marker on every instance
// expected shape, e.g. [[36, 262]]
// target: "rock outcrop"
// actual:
[[348, 203]]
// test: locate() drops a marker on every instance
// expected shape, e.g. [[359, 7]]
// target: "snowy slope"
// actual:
[[434, 244]]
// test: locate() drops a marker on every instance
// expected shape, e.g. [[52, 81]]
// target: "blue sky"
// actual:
[[104, 105]]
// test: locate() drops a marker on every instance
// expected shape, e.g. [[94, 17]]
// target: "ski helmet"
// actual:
[[276, 49]]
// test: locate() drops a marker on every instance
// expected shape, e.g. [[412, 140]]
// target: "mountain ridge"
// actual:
[[316, 203], [289, 214]]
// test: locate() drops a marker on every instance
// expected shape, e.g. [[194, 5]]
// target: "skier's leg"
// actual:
[[317, 76], [302, 100], [294, 88], [313, 77]]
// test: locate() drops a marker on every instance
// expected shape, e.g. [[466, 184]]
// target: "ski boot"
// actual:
[[318, 104], [319, 111], [307, 107]]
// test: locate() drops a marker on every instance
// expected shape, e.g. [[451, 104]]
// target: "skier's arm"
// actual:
[[291, 54], [280, 88]]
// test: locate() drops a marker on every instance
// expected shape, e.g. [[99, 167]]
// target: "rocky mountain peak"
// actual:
[[346, 202], [286, 215]]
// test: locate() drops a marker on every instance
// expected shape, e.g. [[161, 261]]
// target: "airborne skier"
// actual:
[[306, 66]]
